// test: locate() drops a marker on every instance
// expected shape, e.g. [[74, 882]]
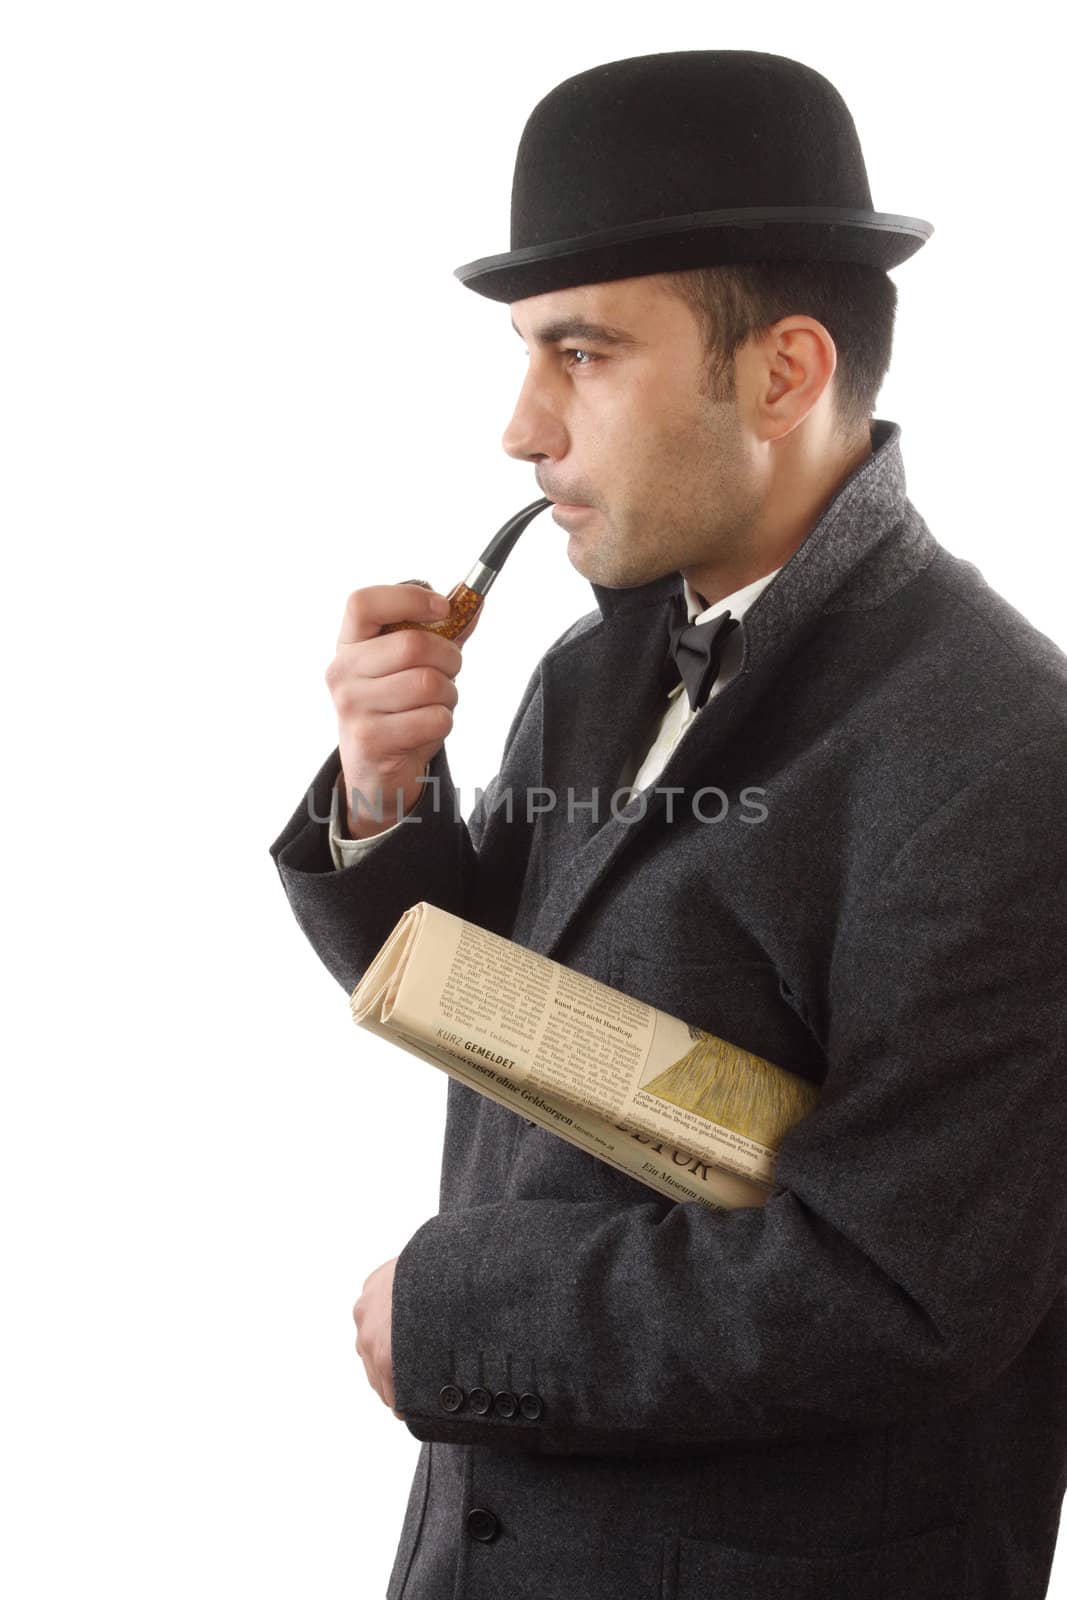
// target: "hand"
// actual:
[[394, 694], [373, 1316]]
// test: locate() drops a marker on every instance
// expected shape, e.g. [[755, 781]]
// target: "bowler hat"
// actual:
[[688, 158]]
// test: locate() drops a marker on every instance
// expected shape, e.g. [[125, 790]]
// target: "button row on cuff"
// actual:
[[505, 1404]]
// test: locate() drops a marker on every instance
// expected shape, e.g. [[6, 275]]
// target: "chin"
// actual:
[[591, 557], [612, 579]]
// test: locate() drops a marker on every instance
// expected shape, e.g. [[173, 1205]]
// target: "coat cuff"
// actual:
[[348, 913]]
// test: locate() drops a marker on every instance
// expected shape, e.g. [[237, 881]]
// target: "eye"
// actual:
[[588, 354]]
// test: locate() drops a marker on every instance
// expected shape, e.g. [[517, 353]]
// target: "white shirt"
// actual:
[[677, 716]]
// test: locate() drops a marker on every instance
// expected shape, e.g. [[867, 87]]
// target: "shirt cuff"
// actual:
[[346, 852]]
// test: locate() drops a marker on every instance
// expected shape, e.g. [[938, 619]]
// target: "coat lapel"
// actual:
[[603, 693], [588, 735], [603, 696]]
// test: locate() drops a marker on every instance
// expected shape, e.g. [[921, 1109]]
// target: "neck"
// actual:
[[797, 496]]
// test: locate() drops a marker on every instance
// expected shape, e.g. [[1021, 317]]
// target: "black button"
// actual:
[[531, 1406], [505, 1403], [482, 1525], [480, 1400], [451, 1398]]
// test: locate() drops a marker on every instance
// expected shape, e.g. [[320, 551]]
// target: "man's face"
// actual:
[[649, 473]]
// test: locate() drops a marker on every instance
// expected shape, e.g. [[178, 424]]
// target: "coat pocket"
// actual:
[[922, 1566]]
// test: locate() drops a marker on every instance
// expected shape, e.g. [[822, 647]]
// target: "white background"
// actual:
[[240, 380]]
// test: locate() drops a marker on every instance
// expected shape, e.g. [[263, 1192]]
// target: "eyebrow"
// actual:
[[575, 328]]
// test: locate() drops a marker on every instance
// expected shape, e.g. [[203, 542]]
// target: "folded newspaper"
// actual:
[[668, 1103]]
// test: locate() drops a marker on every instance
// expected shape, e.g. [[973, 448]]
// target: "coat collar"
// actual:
[[603, 693], [865, 507]]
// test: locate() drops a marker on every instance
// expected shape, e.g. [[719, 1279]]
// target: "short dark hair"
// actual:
[[856, 304]]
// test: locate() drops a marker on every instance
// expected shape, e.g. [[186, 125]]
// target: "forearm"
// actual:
[[657, 1326], [918, 1235]]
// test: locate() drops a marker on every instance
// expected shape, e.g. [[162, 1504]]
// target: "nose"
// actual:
[[535, 431]]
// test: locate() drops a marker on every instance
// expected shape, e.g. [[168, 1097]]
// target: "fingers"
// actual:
[[370, 1366], [381, 674], [393, 652], [403, 691], [381, 1383], [394, 693], [395, 699], [367, 609], [379, 1373], [392, 745]]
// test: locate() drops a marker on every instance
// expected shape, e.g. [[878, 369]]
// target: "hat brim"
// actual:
[[702, 239]]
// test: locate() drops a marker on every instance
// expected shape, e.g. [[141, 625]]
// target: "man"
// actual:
[[858, 1390]]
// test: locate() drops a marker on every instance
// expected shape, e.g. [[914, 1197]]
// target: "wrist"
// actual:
[[366, 812]]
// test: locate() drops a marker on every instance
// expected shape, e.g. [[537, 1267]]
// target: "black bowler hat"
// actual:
[[689, 158]]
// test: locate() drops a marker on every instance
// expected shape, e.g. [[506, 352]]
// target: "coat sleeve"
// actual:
[[347, 913], [916, 1238]]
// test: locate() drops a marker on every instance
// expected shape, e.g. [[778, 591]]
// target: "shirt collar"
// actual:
[[736, 603]]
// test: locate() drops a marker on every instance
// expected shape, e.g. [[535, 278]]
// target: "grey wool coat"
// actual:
[[859, 1390]]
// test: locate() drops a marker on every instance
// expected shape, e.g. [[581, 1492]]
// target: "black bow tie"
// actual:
[[695, 650]]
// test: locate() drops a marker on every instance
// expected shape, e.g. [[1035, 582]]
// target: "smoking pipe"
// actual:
[[467, 598]]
